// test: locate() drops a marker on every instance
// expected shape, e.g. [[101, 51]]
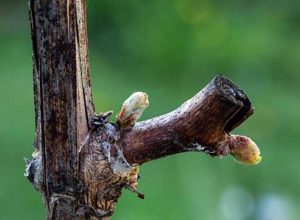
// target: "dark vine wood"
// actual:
[[81, 160]]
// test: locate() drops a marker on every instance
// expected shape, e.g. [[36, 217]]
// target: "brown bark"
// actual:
[[62, 94], [81, 160], [204, 120]]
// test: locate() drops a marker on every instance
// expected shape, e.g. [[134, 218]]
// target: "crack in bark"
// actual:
[[82, 161]]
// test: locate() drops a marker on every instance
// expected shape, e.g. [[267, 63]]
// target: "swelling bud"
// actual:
[[132, 109], [244, 150]]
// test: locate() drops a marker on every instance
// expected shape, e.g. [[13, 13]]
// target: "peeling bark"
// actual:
[[62, 97], [81, 160]]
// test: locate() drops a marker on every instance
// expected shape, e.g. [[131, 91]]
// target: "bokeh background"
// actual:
[[171, 49]]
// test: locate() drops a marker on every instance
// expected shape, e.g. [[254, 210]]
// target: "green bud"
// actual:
[[244, 150]]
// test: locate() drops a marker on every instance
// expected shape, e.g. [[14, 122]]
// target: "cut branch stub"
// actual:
[[81, 161], [200, 124]]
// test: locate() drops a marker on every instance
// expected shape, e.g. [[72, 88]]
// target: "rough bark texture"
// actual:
[[62, 97], [81, 160], [204, 120]]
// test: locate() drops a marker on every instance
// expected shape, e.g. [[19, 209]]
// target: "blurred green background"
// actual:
[[171, 49]]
